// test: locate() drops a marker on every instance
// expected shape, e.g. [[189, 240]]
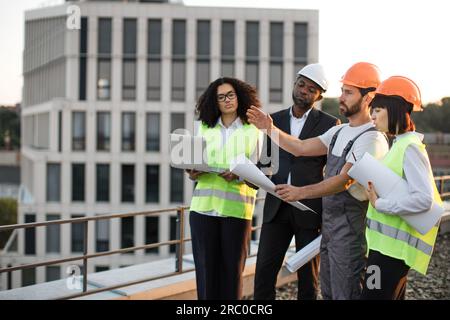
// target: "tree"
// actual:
[[8, 215], [10, 128]]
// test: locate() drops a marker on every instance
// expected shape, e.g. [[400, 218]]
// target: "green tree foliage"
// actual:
[[8, 215], [331, 106], [9, 125]]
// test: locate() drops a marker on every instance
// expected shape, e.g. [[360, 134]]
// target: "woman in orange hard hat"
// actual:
[[394, 246]]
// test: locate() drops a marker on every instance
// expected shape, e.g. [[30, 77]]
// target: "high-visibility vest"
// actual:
[[390, 234], [233, 199]]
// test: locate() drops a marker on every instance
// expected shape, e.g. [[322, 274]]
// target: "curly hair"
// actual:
[[207, 108]]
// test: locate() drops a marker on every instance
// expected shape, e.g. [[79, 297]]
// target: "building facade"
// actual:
[[99, 103]]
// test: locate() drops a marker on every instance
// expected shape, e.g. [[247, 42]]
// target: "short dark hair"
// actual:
[[364, 91], [399, 113], [207, 108]]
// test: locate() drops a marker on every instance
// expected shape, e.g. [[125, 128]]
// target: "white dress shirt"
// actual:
[[297, 125], [417, 173]]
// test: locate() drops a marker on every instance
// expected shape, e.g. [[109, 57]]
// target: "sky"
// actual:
[[402, 37]]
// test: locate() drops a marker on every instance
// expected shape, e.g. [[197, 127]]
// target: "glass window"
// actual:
[[176, 185], [301, 42], [102, 182], [173, 234], [227, 68], [275, 82], [53, 235], [53, 182], [52, 273], [28, 277], [152, 184], [129, 36], [252, 39], [83, 60], [78, 182], [30, 235], [129, 79], [153, 132], [203, 38], [60, 124], [151, 233], [104, 79], [104, 35], [202, 77], [103, 131], [102, 235], [178, 80], [128, 131], [276, 40], [101, 268], [127, 183], [179, 38], [78, 131], [177, 121], [154, 79], [77, 241], [228, 38], [154, 37], [127, 233], [252, 73]]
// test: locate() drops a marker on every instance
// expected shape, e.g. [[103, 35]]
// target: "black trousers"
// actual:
[[220, 247], [274, 241], [392, 278]]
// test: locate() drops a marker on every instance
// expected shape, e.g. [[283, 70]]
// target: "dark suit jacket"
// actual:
[[304, 170]]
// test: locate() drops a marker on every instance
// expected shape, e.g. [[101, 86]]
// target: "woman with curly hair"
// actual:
[[222, 204]]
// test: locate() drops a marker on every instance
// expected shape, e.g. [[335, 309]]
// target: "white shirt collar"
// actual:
[[305, 115], [235, 124]]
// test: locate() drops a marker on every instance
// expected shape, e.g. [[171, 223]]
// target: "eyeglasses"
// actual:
[[230, 95]]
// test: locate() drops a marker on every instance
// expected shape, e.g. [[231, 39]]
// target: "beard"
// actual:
[[349, 111], [301, 103]]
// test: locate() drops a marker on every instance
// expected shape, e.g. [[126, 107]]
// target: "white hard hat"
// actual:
[[315, 73]]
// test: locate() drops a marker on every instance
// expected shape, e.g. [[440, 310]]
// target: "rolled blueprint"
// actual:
[[297, 260], [391, 186], [244, 168]]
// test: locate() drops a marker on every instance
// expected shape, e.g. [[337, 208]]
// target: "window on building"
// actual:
[[103, 131], [228, 48], [179, 60], [252, 52], [276, 62], [128, 131], [52, 273], [152, 184], [104, 35], [78, 182], [176, 185], [151, 233], [104, 79], [127, 232], [202, 82], [53, 235], [127, 183], [53, 182], [102, 182], [300, 45], [153, 131], [173, 234], [83, 59], [177, 121], [102, 235], [101, 268], [77, 237], [30, 235], [154, 59], [129, 79], [78, 131], [28, 277], [203, 56], [60, 124], [129, 36]]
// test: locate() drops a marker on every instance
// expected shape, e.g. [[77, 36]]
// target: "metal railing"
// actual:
[[179, 242]]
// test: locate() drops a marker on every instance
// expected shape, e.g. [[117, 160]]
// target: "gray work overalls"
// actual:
[[343, 246]]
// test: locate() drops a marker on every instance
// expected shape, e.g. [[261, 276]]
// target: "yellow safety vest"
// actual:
[[390, 234], [233, 199]]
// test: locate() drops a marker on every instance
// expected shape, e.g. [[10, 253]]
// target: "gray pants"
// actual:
[[342, 251]]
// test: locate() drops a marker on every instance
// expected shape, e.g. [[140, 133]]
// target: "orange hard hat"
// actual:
[[362, 75], [402, 87]]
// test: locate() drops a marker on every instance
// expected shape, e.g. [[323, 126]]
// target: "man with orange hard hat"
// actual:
[[343, 246]]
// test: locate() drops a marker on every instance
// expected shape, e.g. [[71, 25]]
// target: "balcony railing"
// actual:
[[179, 242]]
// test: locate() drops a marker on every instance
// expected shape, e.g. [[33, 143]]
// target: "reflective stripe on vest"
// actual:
[[400, 235], [224, 195]]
